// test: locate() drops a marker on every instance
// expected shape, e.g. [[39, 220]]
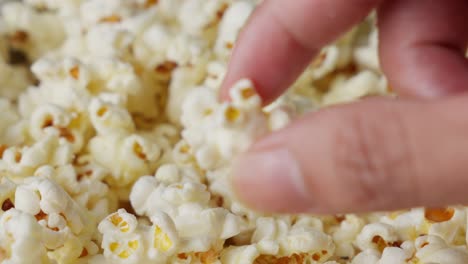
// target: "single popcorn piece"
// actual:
[[363, 84], [127, 156], [125, 240], [240, 255], [345, 235], [109, 118], [376, 236], [164, 238], [21, 239], [217, 132]]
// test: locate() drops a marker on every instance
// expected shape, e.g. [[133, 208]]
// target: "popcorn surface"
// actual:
[[114, 147]]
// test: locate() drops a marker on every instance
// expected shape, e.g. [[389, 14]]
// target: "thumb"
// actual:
[[378, 154]]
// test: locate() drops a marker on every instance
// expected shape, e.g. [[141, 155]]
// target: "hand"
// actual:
[[377, 154]]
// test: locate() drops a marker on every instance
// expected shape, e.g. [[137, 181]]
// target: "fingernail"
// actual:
[[270, 181]]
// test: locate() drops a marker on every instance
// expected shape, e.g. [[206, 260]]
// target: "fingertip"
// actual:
[[270, 181]]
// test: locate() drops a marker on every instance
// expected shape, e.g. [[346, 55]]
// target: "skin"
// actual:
[[377, 154]]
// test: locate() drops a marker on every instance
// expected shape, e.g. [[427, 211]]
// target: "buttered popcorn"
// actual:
[[115, 148]]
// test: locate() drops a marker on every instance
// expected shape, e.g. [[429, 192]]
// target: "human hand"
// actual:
[[377, 154]]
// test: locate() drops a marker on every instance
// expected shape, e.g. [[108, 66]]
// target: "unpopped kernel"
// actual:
[[114, 146]]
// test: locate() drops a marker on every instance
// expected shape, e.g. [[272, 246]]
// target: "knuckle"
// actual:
[[372, 157]]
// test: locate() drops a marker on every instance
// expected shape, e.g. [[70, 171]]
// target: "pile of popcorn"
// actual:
[[115, 148]]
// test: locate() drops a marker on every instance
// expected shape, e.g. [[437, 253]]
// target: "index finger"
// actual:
[[282, 37]]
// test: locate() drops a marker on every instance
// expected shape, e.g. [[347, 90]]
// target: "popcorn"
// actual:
[[218, 132], [198, 16], [106, 40], [238, 255], [126, 156], [363, 84], [233, 20], [20, 239], [98, 12], [25, 27], [280, 238], [115, 148], [13, 80], [21, 162], [433, 249], [70, 70], [109, 118], [346, 234], [376, 236]]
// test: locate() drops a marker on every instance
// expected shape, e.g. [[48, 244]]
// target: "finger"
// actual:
[[282, 37], [423, 44], [373, 155]]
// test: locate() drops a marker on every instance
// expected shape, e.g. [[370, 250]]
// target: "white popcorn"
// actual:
[[366, 56], [44, 196], [182, 82], [108, 118], [368, 256], [224, 130], [114, 75], [240, 255], [433, 249], [12, 128], [71, 71], [198, 16], [215, 72], [233, 20], [394, 255], [145, 49], [346, 234], [124, 89], [376, 236], [23, 161], [7, 193], [112, 11], [20, 239], [363, 84], [326, 62], [127, 156], [26, 25], [106, 40], [13, 80], [280, 238]]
